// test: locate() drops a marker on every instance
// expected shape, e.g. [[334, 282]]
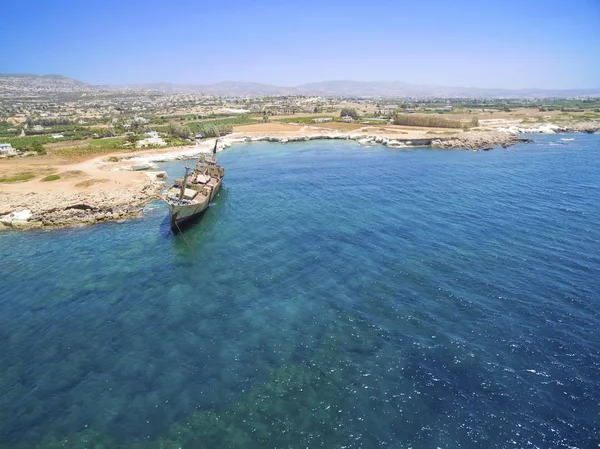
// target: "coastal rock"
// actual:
[[365, 141], [396, 144], [141, 167], [477, 141], [16, 217], [157, 175], [52, 209], [590, 127]]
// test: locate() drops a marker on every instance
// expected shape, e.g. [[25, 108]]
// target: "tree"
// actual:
[[349, 112], [178, 130]]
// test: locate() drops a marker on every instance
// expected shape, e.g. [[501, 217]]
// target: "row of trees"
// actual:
[[420, 120], [48, 121], [210, 129], [180, 131], [215, 130]]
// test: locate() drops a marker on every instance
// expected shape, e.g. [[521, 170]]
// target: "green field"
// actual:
[[51, 178], [29, 143], [21, 177]]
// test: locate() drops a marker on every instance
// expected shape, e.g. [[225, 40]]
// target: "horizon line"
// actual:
[[300, 84]]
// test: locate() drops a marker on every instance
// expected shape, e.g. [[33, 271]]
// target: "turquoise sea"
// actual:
[[333, 296]]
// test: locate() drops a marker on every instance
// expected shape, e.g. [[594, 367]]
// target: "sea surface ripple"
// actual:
[[333, 296]]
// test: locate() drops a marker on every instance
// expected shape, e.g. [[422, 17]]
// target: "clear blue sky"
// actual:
[[471, 43]]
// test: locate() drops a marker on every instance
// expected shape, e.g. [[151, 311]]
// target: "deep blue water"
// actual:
[[333, 296]]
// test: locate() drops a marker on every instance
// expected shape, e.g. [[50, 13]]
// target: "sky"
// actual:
[[551, 44]]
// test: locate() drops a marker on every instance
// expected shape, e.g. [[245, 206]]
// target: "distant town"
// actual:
[[45, 113]]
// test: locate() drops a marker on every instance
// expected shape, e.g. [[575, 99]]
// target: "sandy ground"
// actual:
[[79, 176], [75, 176], [285, 129]]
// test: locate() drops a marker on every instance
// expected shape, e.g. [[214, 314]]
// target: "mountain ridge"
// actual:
[[339, 88]]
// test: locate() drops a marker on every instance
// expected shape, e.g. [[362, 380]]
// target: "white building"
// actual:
[[6, 149]]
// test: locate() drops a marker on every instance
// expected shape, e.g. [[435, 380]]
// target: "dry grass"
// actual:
[[72, 174], [91, 182], [338, 125], [266, 127], [51, 178], [13, 173], [64, 144], [19, 177]]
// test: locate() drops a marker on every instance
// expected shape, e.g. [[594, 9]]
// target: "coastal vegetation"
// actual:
[[89, 147], [207, 127], [179, 130], [48, 121], [21, 177], [219, 127], [51, 178], [7, 129], [29, 143], [349, 112]]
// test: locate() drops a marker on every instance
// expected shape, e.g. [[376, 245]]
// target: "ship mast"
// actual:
[[184, 183]]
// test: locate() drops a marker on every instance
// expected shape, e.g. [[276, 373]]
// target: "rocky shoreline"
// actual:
[[588, 127], [56, 210], [468, 140], [53, 210]]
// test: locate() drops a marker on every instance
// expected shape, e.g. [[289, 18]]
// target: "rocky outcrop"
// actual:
[[478, 141], [463, 140], [589, 127], [52, 209]]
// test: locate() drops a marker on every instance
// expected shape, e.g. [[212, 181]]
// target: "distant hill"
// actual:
[[14, 83], [347, 88], [24, 83], [232, 88]]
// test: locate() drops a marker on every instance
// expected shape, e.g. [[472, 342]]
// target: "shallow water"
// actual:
[[333, 296]]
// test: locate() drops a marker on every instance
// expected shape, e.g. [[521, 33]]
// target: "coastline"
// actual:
[[116, 192]]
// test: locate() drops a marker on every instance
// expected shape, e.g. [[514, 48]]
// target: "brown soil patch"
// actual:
[[338, 125], [91, 182], [9, 170], [65, 144], [72, 174], [266, 128]]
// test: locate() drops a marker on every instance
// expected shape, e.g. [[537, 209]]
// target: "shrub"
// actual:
[[21, 177], [178, 130], [349, 112], [51, 178]]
